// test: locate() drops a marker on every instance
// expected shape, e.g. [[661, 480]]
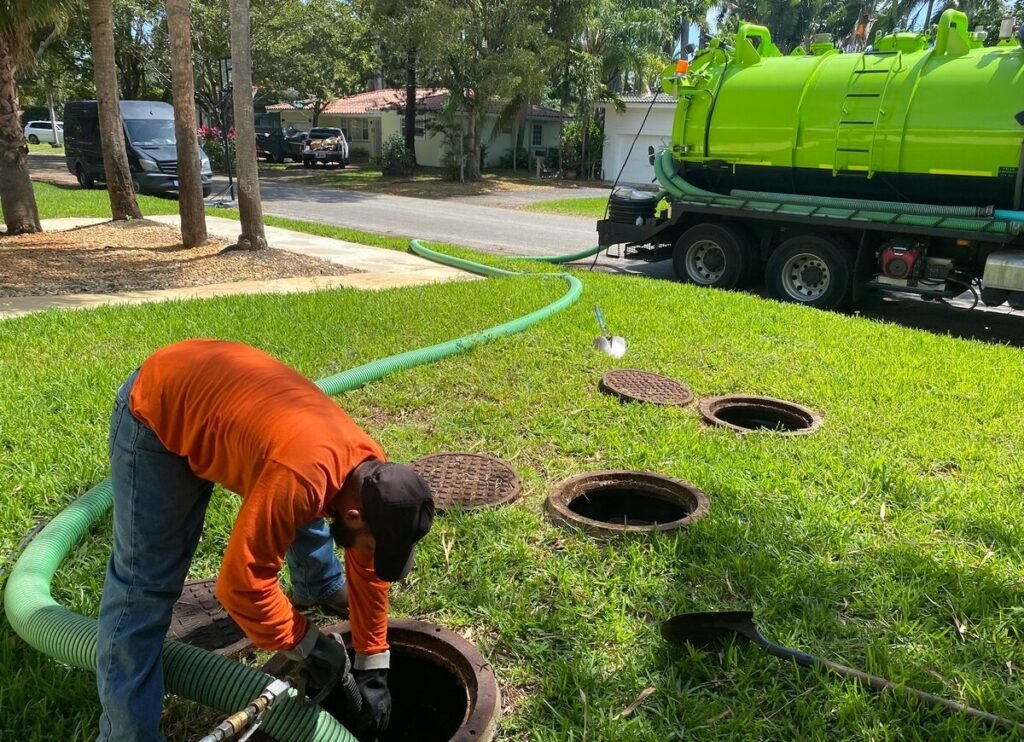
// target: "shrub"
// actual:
[[212, 141], [395, 159], [522, 159]]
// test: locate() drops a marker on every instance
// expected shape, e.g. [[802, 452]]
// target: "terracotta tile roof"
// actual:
[[427, 99], [370, 101]]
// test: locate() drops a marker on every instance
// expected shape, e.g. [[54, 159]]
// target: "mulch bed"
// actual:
[[138, 255]]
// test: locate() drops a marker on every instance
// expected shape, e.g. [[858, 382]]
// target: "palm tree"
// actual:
[[250, 208], [18, 20], [123, 204], [190, 182]]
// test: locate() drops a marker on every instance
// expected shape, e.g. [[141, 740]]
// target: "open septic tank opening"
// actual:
[[622, 501], [746, 414], [441, 687]]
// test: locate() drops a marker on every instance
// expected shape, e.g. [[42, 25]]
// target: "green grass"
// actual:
[[592, 208], [927, 426], [59, 201], [46, 149]]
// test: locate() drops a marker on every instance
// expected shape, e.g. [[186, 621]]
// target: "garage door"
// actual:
[[638, 170]]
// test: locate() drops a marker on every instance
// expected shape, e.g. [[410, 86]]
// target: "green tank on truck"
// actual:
[[905, 121], [826, 174]]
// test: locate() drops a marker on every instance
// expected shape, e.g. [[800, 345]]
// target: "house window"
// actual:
[[420, 127], [538, 135], [360, 129]]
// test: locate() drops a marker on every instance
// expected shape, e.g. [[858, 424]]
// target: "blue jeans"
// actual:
[[159, 508]]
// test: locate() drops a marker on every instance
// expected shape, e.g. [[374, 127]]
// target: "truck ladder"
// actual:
[[862, 112]]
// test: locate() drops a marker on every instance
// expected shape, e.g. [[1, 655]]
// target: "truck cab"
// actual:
[[149, 139]]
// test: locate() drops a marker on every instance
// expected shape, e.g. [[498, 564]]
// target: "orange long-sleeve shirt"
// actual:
[[249, 422]]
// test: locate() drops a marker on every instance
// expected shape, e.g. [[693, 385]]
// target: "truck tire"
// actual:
[[716, 255], [811, 269], [307, 163], [84, 181]]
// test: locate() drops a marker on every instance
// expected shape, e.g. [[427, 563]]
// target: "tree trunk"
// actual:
[[410, 102], [17, 200], [190, 181], [250, 208], [475, 142], [115, 158]]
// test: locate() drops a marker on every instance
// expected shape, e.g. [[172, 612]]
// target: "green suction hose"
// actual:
[[190, 672], [861, 204], [679, 187]]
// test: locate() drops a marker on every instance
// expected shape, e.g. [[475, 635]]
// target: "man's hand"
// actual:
[[376, 711], [323, 661]]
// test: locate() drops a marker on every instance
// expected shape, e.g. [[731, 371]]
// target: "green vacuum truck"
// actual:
[[828, 174]]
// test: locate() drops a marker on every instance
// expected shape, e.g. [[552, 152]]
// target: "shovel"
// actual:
[[614, 346], [703, 630]]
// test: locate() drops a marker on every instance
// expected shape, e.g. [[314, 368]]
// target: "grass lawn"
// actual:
[[60, 200], [890, 540], [428, 183], [592, 208], [46, 149]]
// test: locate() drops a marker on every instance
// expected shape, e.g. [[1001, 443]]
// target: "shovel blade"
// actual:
[[704, 630]]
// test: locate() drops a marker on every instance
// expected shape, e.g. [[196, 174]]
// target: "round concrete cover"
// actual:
[[468, 480]]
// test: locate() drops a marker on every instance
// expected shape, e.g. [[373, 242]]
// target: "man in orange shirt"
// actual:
[[201, 412]]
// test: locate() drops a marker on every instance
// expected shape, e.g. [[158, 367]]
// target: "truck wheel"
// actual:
[[84, 181], [307, 164], [811, 269], [715, 255]]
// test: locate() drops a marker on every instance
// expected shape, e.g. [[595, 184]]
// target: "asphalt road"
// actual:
[[489, 228], [476, 222]]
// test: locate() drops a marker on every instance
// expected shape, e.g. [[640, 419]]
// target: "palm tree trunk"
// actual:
[[190, 182], [115, 158], [17, 200], [250, 208]]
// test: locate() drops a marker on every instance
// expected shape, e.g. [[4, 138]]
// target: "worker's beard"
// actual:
[[343, 536]]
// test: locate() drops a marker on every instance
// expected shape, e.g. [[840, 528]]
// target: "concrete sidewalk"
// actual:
[[381, 269]]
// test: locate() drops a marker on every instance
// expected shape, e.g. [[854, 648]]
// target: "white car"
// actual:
[[41, 132]]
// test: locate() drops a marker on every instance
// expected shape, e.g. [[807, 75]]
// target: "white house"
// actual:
[[621, 126], [370, 118]]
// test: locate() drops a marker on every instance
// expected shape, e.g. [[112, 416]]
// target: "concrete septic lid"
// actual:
[[200, 620], [468, 480], [605, 502], [418, 645], [633, 385], [744, 414]]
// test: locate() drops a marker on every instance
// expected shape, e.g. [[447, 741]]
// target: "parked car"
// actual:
[[325, 145], [150, 140], [271, 143], [296, 143], [41, 132]]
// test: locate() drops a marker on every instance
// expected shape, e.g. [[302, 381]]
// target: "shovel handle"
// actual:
[[881, 684]]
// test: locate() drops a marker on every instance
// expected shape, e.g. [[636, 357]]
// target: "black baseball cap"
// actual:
[[399, 510]]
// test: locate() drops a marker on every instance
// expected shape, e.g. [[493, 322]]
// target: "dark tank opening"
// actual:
[[428, 700], [628, 507]]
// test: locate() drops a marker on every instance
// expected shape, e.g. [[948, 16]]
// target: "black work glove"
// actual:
[[376, 711], [322, 663]]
